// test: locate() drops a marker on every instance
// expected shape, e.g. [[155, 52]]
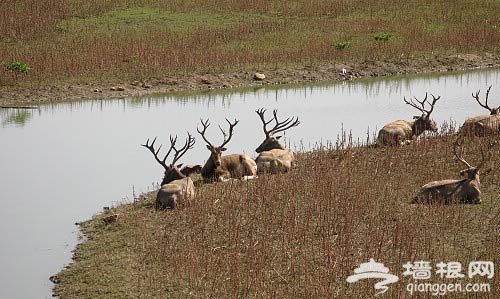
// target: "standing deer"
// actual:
[[465, 190], [274, 157], [221, 168], [176, 186], [401, 132], [482, 125]]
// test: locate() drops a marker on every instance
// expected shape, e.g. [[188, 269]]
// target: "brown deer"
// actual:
[[401, 132], [221, 168], [482, 125], [176, 186], [465, 190], [274, 157]]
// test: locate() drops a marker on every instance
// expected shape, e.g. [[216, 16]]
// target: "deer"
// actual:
[[482, 125], [223, 168], [274, 157], [402, 132], [176, 186], [464, 190]]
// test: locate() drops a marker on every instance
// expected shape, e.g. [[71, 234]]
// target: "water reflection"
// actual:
[[16, 117]]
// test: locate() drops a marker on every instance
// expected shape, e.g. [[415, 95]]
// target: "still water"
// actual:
[[62, 163]]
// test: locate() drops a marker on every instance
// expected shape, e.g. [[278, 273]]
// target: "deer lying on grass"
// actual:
[[465, 190], [222, 168], [401, 132], [274, 157], [176, 186], [482, 125]]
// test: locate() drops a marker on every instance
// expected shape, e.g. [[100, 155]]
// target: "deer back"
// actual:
[[445, 191], [395, 133], [174, 193], [481, 126], [275, 161]]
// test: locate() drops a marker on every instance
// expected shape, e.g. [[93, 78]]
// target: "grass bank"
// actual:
[[75, 47], [298, 235]]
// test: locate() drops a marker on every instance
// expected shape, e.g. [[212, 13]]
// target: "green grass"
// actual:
[[297, 235]]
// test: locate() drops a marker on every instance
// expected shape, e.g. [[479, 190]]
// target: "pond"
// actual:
[[62, 163]]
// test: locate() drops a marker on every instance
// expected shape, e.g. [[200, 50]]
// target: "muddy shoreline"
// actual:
[[325, 72]]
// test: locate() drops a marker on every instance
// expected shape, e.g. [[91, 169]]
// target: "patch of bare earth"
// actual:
[[324, 72]]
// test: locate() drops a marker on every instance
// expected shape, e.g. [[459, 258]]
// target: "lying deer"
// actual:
[[274, 157], [176, 186], [221, 168], [401, 132], [482, 125], [465, 190]]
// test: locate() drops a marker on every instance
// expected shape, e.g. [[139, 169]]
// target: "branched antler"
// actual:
[[476, 96], [227, 138], [422, 103], [178, 152], [279, 126], [231, 128], [205, 125]]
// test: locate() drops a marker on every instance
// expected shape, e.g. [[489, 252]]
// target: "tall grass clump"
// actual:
[[296, 235]]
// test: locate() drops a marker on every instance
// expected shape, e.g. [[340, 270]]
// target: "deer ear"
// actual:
[[416, 117], [222, 149], [278, 137], [179, 165], [209, 147]]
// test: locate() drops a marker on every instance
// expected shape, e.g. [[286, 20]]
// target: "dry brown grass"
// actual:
[[133, 40], [297, 235]]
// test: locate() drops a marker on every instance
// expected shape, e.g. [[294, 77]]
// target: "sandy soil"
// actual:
[[17, 95]]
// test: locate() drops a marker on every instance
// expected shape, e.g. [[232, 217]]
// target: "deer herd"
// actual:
[[273, 158]]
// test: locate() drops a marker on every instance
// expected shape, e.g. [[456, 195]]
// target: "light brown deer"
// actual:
[[274, 157], [221, 168], [401, 132], [176, 186], [482, 125], [465, 190]]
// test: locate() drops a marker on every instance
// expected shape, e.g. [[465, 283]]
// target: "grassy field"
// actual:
[[116, 40], [297, 235]]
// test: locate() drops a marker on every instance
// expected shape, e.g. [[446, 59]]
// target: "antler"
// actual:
[[155, 152], [205, 125], [188, 145], [178, 152], [422, 103], [458, 151], [279, 126], [231, 128], [476, 96]]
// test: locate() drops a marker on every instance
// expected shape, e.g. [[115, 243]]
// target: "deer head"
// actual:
[[472, 173], [216, 151], [272, 141], [172, 172], [493, 111], [424, 122]]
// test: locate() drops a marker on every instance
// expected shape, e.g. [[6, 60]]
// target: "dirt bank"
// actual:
[[16, 95]]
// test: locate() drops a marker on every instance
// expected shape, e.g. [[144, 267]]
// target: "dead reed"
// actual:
[[296, 235]]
